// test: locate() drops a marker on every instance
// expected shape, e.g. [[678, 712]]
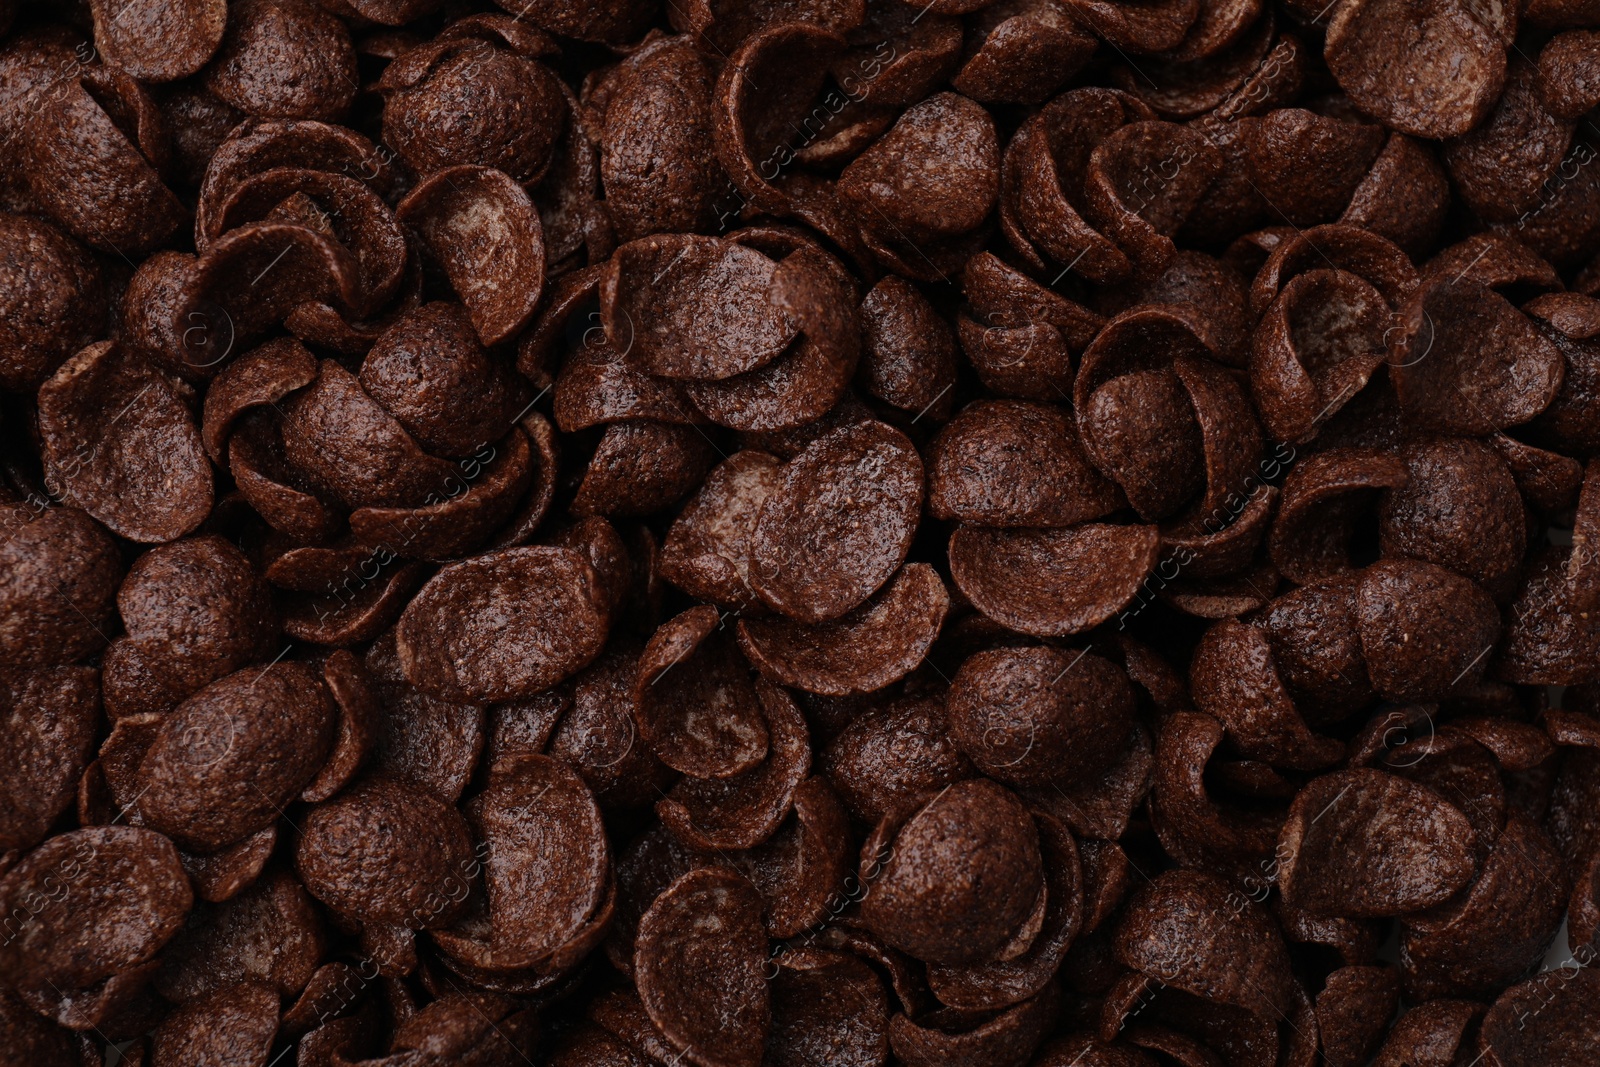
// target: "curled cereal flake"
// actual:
[[387, 853], [1471, 363], [251, 278], [1146, 26], [343, 441], [520, 108], [1324, 498], [1020, 336], [597, 384], [223, 875], [908, 354], [694, 701], [800, 868], [645, 867], [1353, 1011], [1197, 829], [746, 809], [1102, 807], [218, 946], [963, 875], [827, 1007], [1219, 556], [1460, 509], [598, 542], [1431, 1035], [194, 611], [333, 204], [1075, 578], [1462, 771], [462, 512], [1001, 983], [947, 1038], [84, 935], [1517, 746], [1026, 51], [1042, 180], [462, 1027], [234, 1026], [839, 524], [355, 605], [161, 43], [482, 228], [815, 290], [1403, 197], [1424, 630], [1502, 167], [101, 184], [934, 175], [893, 758], [1014, 463], [1365, 843], [1340, 247], [1317, 647], [1135, 413], [862, 651], [1312, 163], [62, 570], [1498, 930], [260, 377], [546, 459], [194, 781], [288, 60], [418, 739], [1230, 436], [503, 625], [1317, 346], [1234, 678], [1547, 1019], [1494, 260], [1432, 70], [1355, 941], [1188, 930], [1130, 193], [1214, 294], [548, 866], [259, 145], [119, 443], [1569, 73], [47, 721], [699, 966], [768, 85], [643, 467], [598, 735], [1033, 716], [1570, 423], [896, 57], [523, 727], [695, 307], [1549, 640], [608, 22], [707, 551], [49, 292], [658, 161]]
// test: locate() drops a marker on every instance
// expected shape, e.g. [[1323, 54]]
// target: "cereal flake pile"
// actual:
[[800, 533]]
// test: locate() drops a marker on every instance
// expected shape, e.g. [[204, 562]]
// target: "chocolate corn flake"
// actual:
[[1010, 533]]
